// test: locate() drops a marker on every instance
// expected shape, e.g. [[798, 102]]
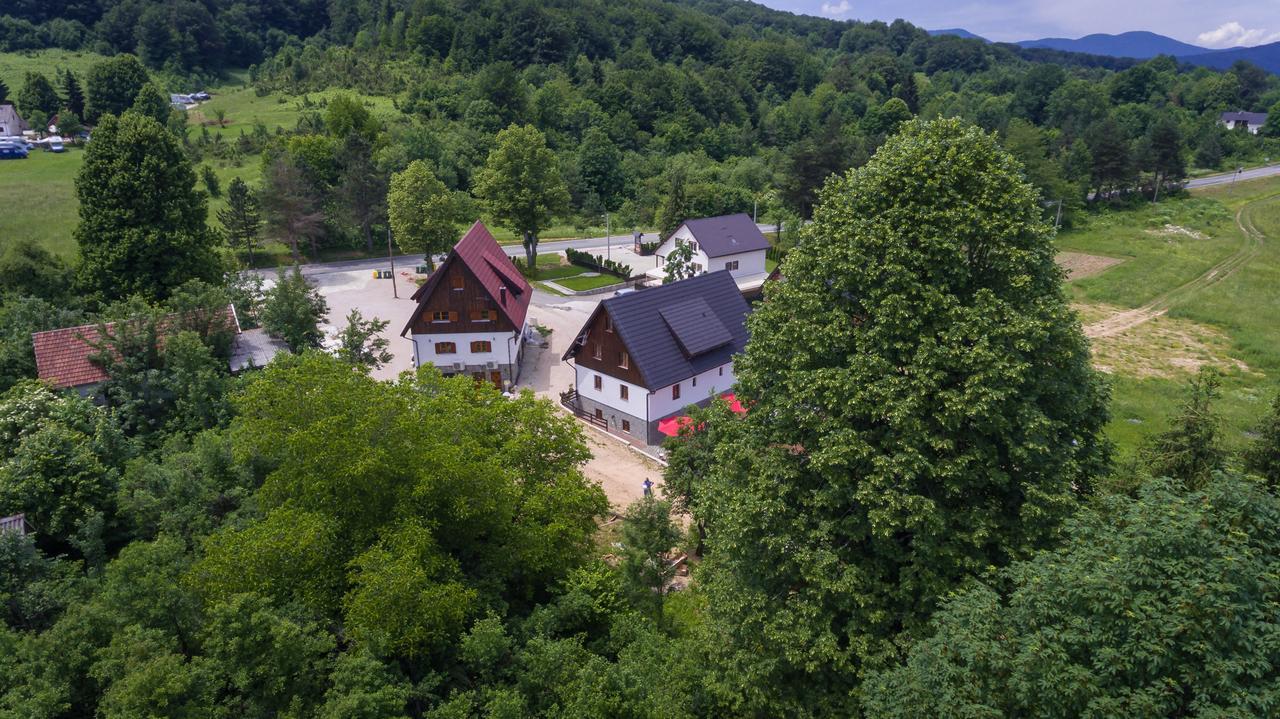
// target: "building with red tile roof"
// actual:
[[470, 316], [64, 357]]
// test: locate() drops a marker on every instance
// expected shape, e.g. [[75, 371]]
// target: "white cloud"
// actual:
[[1233, 33], [836, 9]]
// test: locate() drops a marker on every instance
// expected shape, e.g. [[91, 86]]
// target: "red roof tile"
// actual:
[[484, 257], [62, 355]]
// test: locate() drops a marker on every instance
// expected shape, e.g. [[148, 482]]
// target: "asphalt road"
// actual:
[[1226, 177]]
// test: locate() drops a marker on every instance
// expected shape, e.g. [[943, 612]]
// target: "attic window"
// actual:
[[597, 351], [608, 323], [457, 282], [624, 360]]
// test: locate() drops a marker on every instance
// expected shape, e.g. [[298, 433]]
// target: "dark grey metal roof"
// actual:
[[695, 326], [666, 351], [1252, 118], [727, 234]]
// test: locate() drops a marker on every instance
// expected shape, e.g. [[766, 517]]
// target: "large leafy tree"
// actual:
[[293, 310], [521, 185], [1161, 605], [405, 508], [423, 213], [112, 86], [60, 460], [923, 409], [38, 96], [142, 222]]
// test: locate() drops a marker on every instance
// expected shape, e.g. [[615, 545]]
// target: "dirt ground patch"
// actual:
[[1079, 265], [1161, 346], [620, 470]]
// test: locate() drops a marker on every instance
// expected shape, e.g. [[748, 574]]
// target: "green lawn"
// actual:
[[1242, 309], [581, 282], [15, 65], [38, 199]]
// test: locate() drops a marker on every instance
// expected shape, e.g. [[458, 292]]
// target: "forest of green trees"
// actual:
[[918, 516], [655, 110]]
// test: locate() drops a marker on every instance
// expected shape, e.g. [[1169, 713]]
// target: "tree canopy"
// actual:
[[142, 222], [923, 410], [521, 185]]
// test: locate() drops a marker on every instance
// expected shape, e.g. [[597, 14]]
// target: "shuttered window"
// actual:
[[481, 346], [446, 348]]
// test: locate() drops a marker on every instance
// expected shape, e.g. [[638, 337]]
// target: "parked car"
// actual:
[[200, 96], [55, 145], [12, 151]]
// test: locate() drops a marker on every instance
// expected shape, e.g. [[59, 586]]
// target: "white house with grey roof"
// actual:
[[645, 356], [1251, 121], [728, 242]]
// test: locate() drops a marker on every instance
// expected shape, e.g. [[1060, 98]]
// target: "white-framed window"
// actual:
[[731, 266]]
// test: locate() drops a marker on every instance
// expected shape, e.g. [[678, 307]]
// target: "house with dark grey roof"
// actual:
[[730, 242], [470, 313], [1251, 121], [645, 356]]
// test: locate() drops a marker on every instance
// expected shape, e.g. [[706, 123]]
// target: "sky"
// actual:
[[1200, 22]]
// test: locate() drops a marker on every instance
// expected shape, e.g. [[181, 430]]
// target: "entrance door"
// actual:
[[496, 377]]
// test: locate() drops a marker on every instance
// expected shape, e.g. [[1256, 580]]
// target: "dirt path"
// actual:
[[1253, 239], [620, 470]]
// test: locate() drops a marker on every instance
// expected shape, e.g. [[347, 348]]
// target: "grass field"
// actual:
[[15, 65], [1229, 324], [38, 199]]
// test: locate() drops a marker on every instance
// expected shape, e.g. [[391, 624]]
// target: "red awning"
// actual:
[[734, 404], [671, 426]]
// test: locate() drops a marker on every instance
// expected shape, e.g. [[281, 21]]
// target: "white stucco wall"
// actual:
[[749, 263], [608, 394], [500, 341], [682, 234], [709, 383]]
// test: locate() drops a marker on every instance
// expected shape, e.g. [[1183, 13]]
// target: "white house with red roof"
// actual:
[[470, 316]]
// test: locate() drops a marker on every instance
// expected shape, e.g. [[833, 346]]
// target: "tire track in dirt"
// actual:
[[1251, 246]]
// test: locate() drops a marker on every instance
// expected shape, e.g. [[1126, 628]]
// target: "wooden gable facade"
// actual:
[[603, 350], [457, 302]]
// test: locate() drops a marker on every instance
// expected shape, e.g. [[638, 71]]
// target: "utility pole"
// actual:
[[1058, 222], [608, 238], [392, 258], [755, 207]]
